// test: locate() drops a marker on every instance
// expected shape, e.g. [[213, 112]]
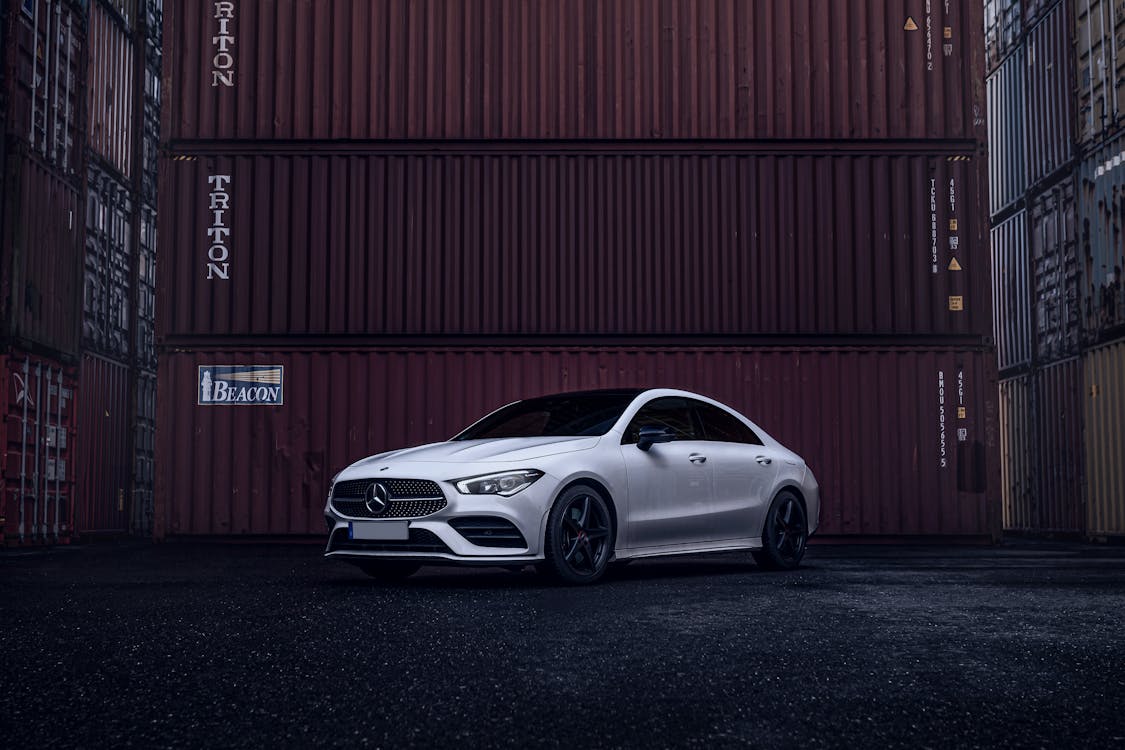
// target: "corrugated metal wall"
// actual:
[[266, 469], [629, 69], [1053, 243], [1102, 212], [1099, 31], [105, 480], [107, 309], [573, 243], [111, 88], [1011, 292], [1050, 82], [1104, 380], [1007, 133]]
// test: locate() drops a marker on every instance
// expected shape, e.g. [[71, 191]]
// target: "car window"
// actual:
[[563, 415], [724, 427], [671, 412]]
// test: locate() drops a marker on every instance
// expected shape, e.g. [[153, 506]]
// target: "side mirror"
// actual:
[[652, 434]]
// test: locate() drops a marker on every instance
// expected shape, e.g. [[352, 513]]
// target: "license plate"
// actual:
[[379, 530]]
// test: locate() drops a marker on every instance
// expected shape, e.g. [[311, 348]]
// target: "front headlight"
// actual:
[[505, 484]]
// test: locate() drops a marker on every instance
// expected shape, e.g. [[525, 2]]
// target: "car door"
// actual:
[[670, 489], [743, 473]]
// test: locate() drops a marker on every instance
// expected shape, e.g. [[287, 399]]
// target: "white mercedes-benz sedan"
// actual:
[[574, 482]]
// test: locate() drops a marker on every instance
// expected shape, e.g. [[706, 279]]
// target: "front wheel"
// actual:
[[785, 535], [579, 539]]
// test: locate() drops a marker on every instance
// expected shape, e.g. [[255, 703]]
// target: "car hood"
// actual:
[[501, 450]]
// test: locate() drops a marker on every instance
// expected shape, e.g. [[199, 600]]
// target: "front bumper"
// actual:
[[434, 539]]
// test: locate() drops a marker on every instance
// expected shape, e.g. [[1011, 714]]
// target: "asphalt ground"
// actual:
[[225, 645]]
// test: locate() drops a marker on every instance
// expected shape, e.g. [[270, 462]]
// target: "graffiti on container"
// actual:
[[218, 234], [942, 459], [222, 71], [241, 385]]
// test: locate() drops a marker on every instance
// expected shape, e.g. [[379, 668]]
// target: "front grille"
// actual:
[[421, 541], [489, 531], [409, 498]]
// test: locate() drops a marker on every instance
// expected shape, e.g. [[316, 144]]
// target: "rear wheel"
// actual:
[[785, 535], [389, 570], [579, 539]]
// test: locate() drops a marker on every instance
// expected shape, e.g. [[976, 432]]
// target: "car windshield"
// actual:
[[565, 415]]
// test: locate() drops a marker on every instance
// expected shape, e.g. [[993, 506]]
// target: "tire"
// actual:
[[785, 534], [390, 570], [579, 538]]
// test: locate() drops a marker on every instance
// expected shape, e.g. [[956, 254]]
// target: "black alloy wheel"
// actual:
[[785, 535], [389, 570], [579, 538]]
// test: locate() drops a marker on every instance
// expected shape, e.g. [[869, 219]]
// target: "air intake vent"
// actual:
[[489, 531]]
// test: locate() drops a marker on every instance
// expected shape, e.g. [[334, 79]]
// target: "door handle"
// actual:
[[697, 458], [764, 460]]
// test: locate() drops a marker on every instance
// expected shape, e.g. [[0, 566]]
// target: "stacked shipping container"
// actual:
[[42, 162], [1057, 260], [422, 210]]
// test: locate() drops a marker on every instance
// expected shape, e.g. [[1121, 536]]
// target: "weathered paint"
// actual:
[[105, 470], [40, 435], [110, 90], [1101, 210], [1104, 381], [561, 241], [109, 257], [1011, 292], [1003, 30], [870, 422], [40, 256], [1099, 26], [1053, 242], [571, 69], [1041, 450]]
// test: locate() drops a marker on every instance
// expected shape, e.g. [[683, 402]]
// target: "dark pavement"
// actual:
[[224, 645]]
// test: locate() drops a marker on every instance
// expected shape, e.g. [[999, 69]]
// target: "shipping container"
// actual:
[[1102, 211], [1104, 380], [145, 351], [105, 460], [573, 242], [1050, 100], [1098, 36], [573, 69], [109, 258], [1007, 133], [1011, 292], [144, 449], [150, 128], [111, 88], [1003, 30], [1041, 450], [44, 79], [40, 255], [1054, 251], [903, 441], [40, 436], [1034, 10]]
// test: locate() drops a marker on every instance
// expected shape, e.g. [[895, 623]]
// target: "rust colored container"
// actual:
[[44, 79], [109, 256], [1099, 27], [1101, 208], [1042, 450], [1049, 88], [621, 69], [41, 259], [573, 242], [37, 481], [903, 441], [110, 91], [105, 464], [1104, 380], [1054, 252]]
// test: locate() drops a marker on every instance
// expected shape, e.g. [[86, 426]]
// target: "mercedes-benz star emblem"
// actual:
[[377, 498]]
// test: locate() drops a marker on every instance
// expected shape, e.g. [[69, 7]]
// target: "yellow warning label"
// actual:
[[954, 265], [953, 225], [961, 412], [910, 25], [947, 32], [957, 303]]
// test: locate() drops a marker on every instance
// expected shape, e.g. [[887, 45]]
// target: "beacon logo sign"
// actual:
[[241, 385]]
